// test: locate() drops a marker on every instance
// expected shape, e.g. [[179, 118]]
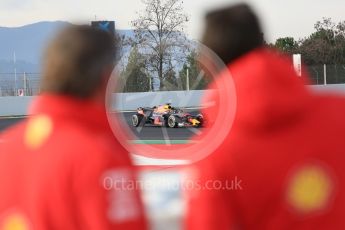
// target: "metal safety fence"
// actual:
[[327, 74], [19, 84], [28, 84]]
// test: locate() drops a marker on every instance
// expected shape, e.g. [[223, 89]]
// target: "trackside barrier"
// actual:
[[18, 106]]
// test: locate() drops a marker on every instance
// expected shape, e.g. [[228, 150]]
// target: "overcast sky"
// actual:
[[279, 17]]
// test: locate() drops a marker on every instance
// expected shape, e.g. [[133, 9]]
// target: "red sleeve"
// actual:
[[106, 193]]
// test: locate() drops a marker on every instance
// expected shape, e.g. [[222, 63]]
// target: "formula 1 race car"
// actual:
[[166, 115]]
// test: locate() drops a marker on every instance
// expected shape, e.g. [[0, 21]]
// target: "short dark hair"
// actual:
[[76, 59], [233, 31]]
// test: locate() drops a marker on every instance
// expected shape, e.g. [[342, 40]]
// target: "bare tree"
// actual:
[[159, 32]]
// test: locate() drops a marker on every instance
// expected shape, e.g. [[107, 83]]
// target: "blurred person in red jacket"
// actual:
[[282, 164], [62, 168]]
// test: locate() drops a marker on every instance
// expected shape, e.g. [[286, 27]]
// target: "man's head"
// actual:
[[233, 31], [78, 62]]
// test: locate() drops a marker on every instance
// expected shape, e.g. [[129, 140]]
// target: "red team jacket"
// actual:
[[282, 166], [63, 169]]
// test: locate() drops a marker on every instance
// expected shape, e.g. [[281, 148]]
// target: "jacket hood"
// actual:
[[269, 92]]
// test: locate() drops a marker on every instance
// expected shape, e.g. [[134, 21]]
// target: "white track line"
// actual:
[[166, 136], [141, 160]]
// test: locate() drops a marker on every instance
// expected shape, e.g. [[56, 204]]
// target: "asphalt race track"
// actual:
[[8, 122], [149, 133]]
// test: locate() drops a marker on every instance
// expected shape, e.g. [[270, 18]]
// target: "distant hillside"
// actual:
[[28, 42]]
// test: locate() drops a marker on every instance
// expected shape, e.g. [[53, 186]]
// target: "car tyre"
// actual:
[[136, 119], [171, 122]]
